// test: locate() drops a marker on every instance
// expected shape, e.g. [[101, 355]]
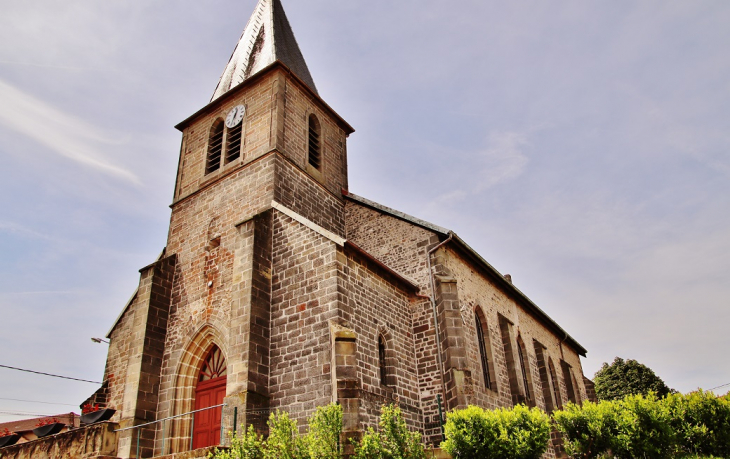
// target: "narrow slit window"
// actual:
[[483, 351], [545, 381], [568, 378], [525, 369], [554, 383], [215, 147], [233, 143], [315, 145], [382, 361]]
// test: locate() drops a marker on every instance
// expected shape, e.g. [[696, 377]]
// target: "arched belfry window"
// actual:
[[215, 147], [314, 151], [485, 351], [382, 362]]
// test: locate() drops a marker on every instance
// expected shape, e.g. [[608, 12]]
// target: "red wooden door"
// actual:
[[207, 427], [210, 392]]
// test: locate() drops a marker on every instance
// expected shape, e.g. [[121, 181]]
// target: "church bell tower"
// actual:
[[263, 161]]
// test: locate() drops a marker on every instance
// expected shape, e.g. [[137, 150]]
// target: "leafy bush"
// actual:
[[693, 425], [701, 422], [516, 433], [644, 428], [321, 442], [248, 445], [325, 428], [589, 431], [284, 441], [392, 441]]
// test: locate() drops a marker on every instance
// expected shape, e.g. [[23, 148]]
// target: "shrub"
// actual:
[[392, 441], [588, 431], [284, 441], [644, 429], [516, 433], [248, 445], [701, 422], [325, 428]]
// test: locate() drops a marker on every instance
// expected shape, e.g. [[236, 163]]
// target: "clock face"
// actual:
[[235, 116]]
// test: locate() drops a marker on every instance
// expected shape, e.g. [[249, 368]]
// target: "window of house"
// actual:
[[215, 147], [315, 148], [382, 362], [485, 351]]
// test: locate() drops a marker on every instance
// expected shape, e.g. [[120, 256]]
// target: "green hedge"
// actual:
[[647, 427], [515, 433]]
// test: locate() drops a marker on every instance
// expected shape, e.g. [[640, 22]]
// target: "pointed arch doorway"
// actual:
[[210, 391]]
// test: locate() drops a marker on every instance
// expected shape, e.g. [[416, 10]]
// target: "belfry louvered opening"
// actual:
[[233, 142], [215, 147], [315, 147]]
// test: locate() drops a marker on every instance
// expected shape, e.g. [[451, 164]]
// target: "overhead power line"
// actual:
[[49, 374], [722, 385], [36, 401], [25, 413]]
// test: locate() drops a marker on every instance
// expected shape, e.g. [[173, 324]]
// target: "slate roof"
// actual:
[[268, 37], [477, 259]]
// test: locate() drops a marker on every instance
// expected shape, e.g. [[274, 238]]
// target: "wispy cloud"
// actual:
[[503, 160], [62, 133], [10, 227]]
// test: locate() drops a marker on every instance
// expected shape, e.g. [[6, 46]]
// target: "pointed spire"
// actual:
[[268, 37]]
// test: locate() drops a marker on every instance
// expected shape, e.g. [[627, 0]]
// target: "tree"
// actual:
[[627, 377]]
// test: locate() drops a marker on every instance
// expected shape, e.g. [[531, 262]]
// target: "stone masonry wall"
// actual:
[[304, 300], [477, 291], [296, 190], [373, 305], [117, 359], [98, 441], [298, 106], [256, 135], [402, 246]]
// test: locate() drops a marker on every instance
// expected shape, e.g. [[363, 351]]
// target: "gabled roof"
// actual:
[[268, 37], [472, 254]]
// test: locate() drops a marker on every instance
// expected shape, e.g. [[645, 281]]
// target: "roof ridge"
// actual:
[[396, 213]]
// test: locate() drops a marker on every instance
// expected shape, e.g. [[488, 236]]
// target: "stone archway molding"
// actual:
[[186, 379]]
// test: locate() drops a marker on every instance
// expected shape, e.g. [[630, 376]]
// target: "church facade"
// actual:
[[278, 288]]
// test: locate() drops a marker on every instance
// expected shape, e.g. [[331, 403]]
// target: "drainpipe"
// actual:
[[435, 313]]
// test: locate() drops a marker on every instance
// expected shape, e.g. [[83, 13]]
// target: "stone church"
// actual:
[[279, 288]]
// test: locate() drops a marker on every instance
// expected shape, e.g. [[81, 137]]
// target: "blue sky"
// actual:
[[581, 146]]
